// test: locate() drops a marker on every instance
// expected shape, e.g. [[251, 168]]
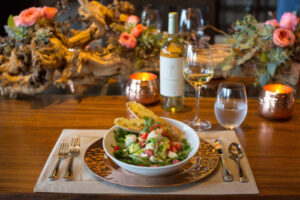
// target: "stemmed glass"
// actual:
[[191, 23], [231, 104], [198, 70], [151, 17]]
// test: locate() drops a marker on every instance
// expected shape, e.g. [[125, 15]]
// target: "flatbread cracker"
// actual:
[[140, 111], [134, 125]]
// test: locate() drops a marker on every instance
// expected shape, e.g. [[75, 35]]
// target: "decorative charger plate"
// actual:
[[100, 166]]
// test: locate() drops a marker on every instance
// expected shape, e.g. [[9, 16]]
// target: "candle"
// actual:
[[278, 88], [276, 101], [143, 76], [143, 88]]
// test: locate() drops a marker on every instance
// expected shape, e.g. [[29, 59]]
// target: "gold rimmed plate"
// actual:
[[203, 164]]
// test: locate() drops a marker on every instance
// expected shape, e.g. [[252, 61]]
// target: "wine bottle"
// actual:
[[171, 68]]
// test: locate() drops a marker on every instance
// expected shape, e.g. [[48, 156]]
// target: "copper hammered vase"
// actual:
[[276, 105], [142, 91]]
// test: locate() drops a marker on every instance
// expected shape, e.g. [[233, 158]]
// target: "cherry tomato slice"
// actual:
[[144, 136], [175, 161], [142, 144], [177, 145], [149, 152], [173, 148], [116, 148], [156, 126]]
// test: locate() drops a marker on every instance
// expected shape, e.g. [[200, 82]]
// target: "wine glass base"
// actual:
[[199, 124]]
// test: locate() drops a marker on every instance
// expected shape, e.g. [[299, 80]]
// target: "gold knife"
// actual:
[[227, 175]]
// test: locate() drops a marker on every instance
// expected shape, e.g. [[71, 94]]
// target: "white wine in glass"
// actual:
[[198, 70], [198, 75]]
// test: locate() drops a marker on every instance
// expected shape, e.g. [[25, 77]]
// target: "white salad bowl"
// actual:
[[188, 133]]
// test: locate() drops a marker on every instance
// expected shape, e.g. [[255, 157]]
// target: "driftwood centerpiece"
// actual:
[[37, 54]]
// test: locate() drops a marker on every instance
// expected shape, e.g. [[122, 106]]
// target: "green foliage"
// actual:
[[43, 35], [252, 44], [263, 78], [11, 22], [20, 33], [23, 35], [272, 68]]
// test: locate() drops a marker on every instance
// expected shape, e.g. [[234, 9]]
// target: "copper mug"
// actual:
[[276, 102], [143, 88]]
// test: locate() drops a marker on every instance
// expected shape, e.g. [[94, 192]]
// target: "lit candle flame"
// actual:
[[143, 76], [278, 88]]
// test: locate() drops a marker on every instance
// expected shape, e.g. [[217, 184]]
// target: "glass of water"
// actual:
[[231, 104]]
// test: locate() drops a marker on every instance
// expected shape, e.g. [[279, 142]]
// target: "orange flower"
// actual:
[[283, 37], [272, 22], [127, 40], [49, 12], [28, 17], [137, 30]]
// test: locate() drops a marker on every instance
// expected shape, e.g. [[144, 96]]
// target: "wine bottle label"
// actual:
[[171, 76]]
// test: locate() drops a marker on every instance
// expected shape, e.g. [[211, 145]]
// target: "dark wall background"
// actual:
[[219, 13]]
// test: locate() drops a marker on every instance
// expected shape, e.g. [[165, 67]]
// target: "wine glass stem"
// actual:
[[198, 90]]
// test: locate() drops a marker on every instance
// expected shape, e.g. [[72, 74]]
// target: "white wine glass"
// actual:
[[198, 70], [191, 23], [151, 17], [231, 104]]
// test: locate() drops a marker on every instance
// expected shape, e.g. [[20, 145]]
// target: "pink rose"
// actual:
[[28, 17], [127, 40], [137, 30], [18, 21], [283, 37], [289, 21], [132, 19], [49, 12], [272, 22]]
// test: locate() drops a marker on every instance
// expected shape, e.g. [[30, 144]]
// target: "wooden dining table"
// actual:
[[30, 127]]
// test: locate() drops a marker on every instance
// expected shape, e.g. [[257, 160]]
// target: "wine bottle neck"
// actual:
[[173, 23]]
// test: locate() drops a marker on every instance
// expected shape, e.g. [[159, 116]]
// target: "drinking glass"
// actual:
[[191, 23], [231, 104], [151, 17], [198, 70]]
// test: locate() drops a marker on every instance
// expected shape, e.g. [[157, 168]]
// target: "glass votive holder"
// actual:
[[143, 88], [276, 102]]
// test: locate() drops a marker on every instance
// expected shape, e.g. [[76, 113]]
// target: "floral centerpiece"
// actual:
[[31, 22], [270, 46], [139, 43], [41, 52]]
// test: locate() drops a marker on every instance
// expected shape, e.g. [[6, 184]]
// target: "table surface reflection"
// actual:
[[116, 86]]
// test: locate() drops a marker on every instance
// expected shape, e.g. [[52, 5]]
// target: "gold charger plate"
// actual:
[[100, 166]]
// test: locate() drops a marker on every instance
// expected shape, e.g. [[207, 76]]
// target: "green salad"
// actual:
[[149, 147]]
